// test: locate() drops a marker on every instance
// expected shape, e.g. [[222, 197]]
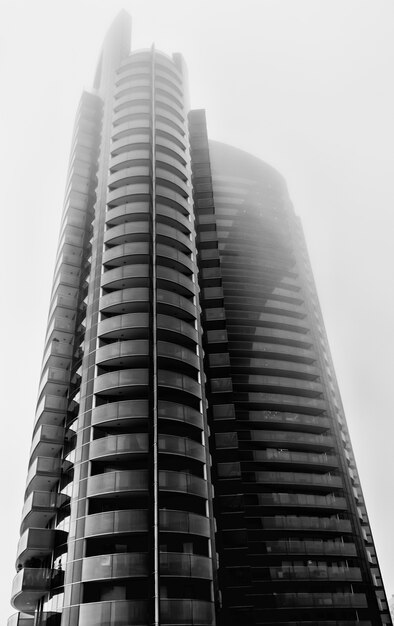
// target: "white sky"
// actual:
[[306, 85]]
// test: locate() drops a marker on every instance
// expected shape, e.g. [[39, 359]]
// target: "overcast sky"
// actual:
[[306, 85]]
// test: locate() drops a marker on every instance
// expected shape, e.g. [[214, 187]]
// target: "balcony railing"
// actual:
[[184, 522], [40, 507], [185, 565], [182, 483], [37, 543], [310, 547], [114, 522], [108, 566], [31, 584], [182, 446], [300, 522], [190, 612], [119, 445], [311, 573], [124, 482], [43, 474], [130, 612]]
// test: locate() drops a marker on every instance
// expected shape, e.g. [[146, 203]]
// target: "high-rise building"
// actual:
[[190, 461]]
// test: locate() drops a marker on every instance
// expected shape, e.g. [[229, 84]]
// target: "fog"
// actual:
[[305, 85]]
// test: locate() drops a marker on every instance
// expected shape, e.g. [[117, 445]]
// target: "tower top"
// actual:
[[115, 47]]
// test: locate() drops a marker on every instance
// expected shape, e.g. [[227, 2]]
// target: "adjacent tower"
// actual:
[[190, 462]]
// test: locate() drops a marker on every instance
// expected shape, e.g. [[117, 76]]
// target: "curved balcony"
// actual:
[[278, 384], [129, 175], [325, 622], [36, 543], [181, 413], [162, 80], [164, 66], [139, 62], [110, 566], [184, 612], [122, 414], [300, 500], [127, 326], [179, 382], [47, 618], [168, 128], [137, 252], [43, 474], [127, 159], [175, 304], [67, 275], [317, 600], [135, 84], [51, 410], [162, 97], [172, 444], [169, 76], [184, 522], [300, 522], [265, 334], [260, 319], [126, 277], [169, 352], [185, 565], [128, 144], [167, 142], [297, 547], [20, 619], [47, 441], [170, 197], [180, 482], [174, 329], [288, 439], [274, 367], [115, 447], [129, 212], [127, 233], [130, 612], [123, 353], [325, 482], [122, 195], [174, 259], [32, 584], [293, 421], [172, 280], [284, 457], [172, 237], [278, 401], [130, 100], [54, 381], [127, 113], [172, 162], [139, 85], [58, 354], [163, 90], [121, 382], [125, 301], [167, 214], [163, 114], [117, 522], [311, 573], [40, 507], [264, 348], [130, 128], [124, 483]]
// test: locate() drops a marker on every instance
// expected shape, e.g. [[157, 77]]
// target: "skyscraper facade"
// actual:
[[190, 461]]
